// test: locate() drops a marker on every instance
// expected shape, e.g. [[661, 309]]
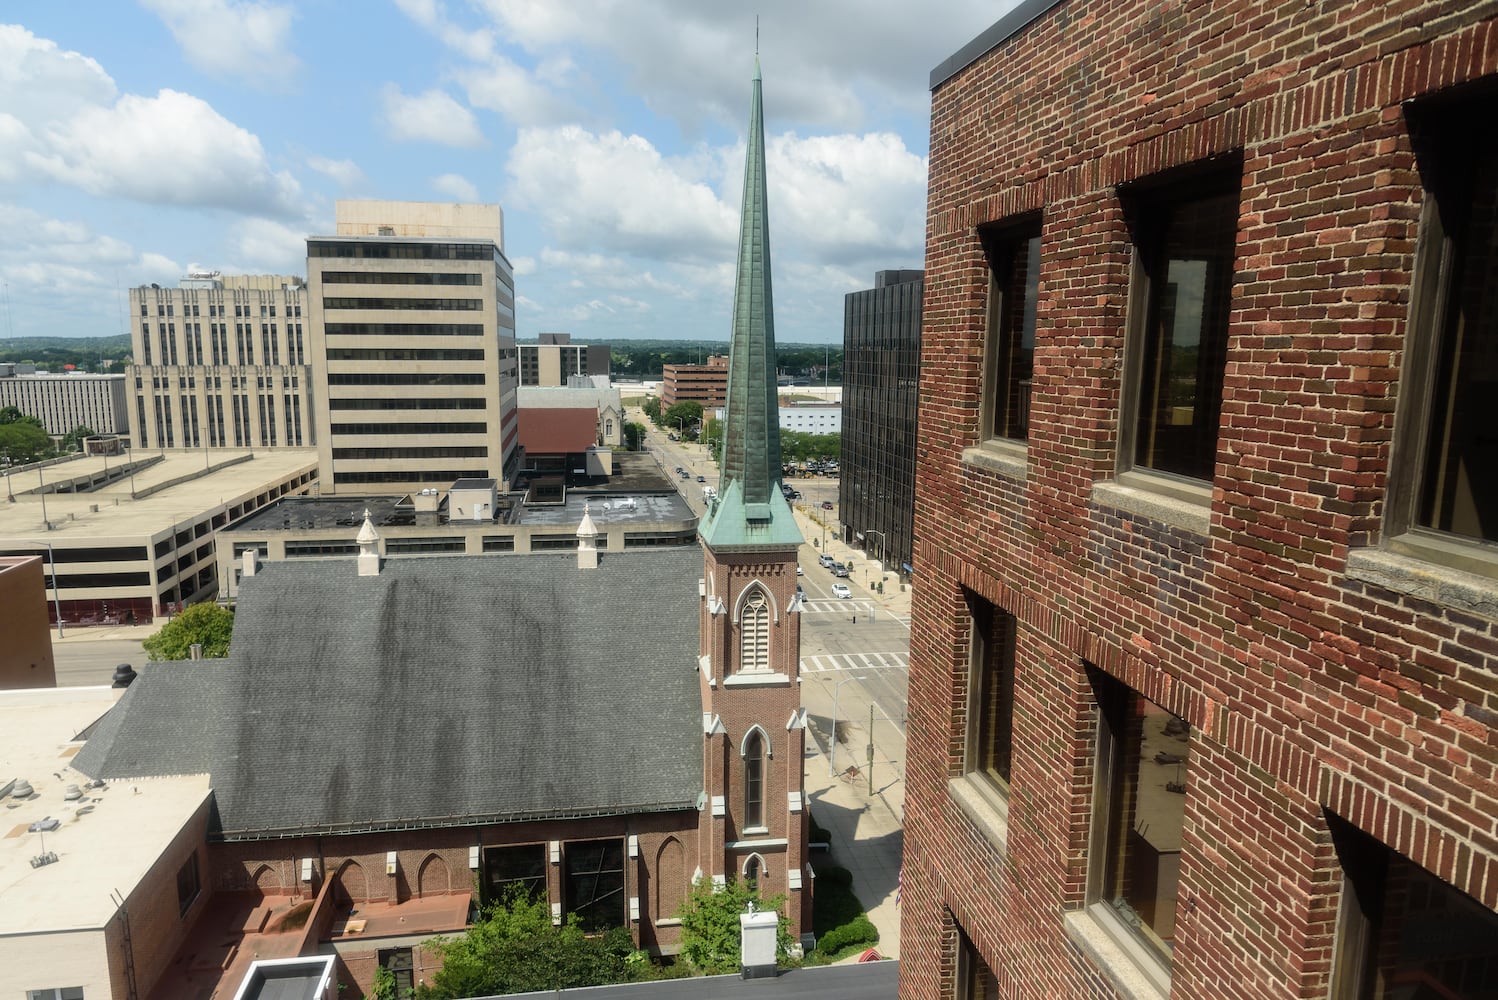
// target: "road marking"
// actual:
[[832, 662]]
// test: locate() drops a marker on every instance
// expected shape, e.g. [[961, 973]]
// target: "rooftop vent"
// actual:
[[22, 790], [124, 674]]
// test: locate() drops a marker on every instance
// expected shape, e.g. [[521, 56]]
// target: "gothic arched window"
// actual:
[[754, 633], [754, 780]]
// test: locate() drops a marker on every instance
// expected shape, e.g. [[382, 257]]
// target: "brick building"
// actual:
[[1202, 693], [706, 384]]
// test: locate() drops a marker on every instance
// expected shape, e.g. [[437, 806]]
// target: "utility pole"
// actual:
[[871, 748]]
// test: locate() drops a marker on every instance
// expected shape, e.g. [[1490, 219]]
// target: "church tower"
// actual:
[[753, 723]]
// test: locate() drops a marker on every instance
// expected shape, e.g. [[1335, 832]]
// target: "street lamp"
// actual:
[[871, 531], [56, 583], [832, 740]]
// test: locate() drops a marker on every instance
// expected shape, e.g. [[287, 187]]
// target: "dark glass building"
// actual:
[[881, 370]]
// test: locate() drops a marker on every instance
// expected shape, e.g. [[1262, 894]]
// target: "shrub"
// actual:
[[857, 933]]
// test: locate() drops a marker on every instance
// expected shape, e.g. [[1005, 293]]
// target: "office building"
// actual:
[[706, 384], [555, 360], [881, 371], [220, 361], [68, 401], [412, 309], [811, 418], [1202, 687]]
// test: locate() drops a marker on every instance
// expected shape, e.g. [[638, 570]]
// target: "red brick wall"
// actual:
[[1309, 690]]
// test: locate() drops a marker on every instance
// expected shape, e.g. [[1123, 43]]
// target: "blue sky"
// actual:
[[140, 139]]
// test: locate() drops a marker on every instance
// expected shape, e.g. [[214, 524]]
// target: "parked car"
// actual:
[[838, 569], [702, 479], [825, 560], [826, 504], [841, 590], [800, 571], [793, 495]]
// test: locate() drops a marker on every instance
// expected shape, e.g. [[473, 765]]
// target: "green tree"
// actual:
[[634, 431], [24, 440], [73, 439], [207, 623], [652, 408], [10, 415], [515, 949], [710, 931], [682, 416]]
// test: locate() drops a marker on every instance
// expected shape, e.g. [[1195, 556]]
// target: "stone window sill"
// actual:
[[1177, 502], [984, 806], [756, 680], [1420, 566], [1112, 950], [1007, 458]]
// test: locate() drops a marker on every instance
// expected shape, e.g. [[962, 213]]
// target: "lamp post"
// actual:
[[56, 584], [872, 531], [832, 739]]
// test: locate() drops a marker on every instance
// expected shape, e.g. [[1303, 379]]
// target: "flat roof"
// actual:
[[231, 475], [1005, 28], [111, 837]]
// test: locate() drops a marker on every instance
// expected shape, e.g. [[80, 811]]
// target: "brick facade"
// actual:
[[1325, 673]]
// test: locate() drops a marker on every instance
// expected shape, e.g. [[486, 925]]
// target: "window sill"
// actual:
[[1418, 566], [1179, 503], [1007, 458], [1111, 949], [668, 922], [984, 806], [756, 680]]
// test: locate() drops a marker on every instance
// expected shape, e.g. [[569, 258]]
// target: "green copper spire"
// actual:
[[751, 511]]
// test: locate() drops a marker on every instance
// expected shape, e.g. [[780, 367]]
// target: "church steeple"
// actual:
[[750, 511]]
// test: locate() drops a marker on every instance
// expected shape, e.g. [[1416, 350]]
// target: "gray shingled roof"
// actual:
[[446, 689]]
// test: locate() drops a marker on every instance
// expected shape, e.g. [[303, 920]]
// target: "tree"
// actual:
[[682, 416], [634, 431], [515, 949], [73, 439], [207, 623], [24, 440], [710, 931], [652, 408]]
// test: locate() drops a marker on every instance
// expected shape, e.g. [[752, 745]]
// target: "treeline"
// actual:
[[646, 359], [54, 354]]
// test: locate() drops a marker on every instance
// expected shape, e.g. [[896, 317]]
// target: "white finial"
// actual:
[[369, 547], [587, 541]]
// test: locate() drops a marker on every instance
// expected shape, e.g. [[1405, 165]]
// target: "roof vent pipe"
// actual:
[[195, 651], [124, 674]]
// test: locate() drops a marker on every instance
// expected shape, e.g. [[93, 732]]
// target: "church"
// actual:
[[393, 741]]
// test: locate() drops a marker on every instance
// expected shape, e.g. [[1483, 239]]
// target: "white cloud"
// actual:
[[263, 246], [617, 193], [195, 156], [345, 173], [455, 186], [432, 116], [222, 38], [40, 82]]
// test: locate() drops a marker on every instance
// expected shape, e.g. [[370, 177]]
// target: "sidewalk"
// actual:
[[867, 830]]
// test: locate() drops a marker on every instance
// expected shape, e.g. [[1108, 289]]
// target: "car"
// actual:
[[826, 504], [838, 569], [793, 495], [825, 560], [702, 479], [841, 590], [800, 571]]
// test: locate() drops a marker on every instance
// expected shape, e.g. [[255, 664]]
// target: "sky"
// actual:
[[142, 139]]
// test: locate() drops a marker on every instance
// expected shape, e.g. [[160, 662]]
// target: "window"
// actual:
[[990, 694], [754, 633], [1185, 236], [1138, 815], [1444, 474], [187, 884], [56, 993], [399, 962], [519, 869], [1403, 932], [754, 780], [595, 883], [753, 869], [975, 980], [1013, 252]]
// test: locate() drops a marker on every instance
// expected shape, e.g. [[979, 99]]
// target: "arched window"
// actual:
[[754, 780], [753, 868], [608, 427], [754, 633]]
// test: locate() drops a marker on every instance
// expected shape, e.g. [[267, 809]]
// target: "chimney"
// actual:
[[587, 541], [369, 548], [251, 561]]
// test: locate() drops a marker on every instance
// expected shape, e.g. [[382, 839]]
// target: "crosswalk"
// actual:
[[828, 662], [862, 609]]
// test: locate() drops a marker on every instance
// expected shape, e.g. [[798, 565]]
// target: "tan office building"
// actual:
[[220, 362], [412, 310]]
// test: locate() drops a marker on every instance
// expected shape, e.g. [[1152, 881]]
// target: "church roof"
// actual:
[[444, 691], [751, 512]]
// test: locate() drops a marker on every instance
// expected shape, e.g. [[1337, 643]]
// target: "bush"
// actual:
[[710, 924], [857, 933]]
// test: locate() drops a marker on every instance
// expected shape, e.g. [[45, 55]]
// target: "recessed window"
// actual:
[[188, 885], [1139, 809], [56, 993], [754, 633], [974, 979], [594, 881], [1444, 473], [1013, 252], [1405, 933], [1185, 236], [754, 780], [990, 737], [518, 870]]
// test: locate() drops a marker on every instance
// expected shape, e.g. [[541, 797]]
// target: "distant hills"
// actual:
[[52, 353]]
